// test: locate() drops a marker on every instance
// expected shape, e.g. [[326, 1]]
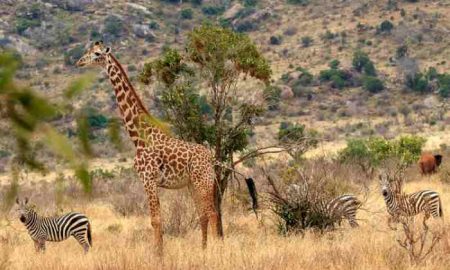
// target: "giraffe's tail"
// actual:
[[253, 193]]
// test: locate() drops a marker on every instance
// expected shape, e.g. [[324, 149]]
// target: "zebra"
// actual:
[[343, 206], [336, 209], [55, 229], [399, 204]]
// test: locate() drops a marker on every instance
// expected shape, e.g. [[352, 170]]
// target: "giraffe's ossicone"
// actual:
[[161, 160]]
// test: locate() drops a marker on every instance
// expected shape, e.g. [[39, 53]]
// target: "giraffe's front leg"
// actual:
[[155, 211]]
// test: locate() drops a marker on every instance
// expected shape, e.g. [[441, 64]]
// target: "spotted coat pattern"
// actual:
[[161, 160]]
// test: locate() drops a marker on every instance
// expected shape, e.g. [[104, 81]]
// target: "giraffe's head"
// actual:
[[95, 55], [25, 211]]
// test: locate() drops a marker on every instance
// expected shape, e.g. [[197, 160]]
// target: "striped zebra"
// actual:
[[399, 204], [342, 207], [55, 229]]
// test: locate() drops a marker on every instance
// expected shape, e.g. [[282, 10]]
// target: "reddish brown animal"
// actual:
[[429, 163]]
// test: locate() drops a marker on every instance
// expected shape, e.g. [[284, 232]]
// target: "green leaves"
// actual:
[[406, 149], [29, 114], [211, 47]]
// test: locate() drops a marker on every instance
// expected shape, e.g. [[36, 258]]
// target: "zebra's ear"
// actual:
[[26, 200], [17, 200]]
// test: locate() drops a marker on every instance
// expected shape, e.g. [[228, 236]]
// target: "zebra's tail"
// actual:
[[89, 236]]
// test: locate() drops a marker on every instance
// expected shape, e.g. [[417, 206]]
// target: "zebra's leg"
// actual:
[[81, 238], [41, 245], [390, 221], [425, 218], [37, 246], [352, 222]]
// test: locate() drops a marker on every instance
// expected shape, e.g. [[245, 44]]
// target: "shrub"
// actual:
[[293, 133], [417, 82], [386, 26], [328, 35], [298, 2], [187, 14], [336, 76], [95, 119], [306, 41], [250, 3], [372, 84], [114, 27], [334, 64], [72, 55], [23, 24], [197, 2], [444, 85], [275, 40], [213, 10], [360, 60], [245, 26], [369, 69], [369, 153], [153, 25], [401, 51], [272, 95]]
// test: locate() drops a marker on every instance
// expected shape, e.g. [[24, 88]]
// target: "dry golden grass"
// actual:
[[126, 243]]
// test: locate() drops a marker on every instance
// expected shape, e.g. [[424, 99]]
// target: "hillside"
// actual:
[[50, 35]]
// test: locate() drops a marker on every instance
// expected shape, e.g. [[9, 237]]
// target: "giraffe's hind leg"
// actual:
[[203, 193]]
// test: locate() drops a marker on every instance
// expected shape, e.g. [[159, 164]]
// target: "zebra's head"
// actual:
[[25, 210], [389, 184], [384, 183]]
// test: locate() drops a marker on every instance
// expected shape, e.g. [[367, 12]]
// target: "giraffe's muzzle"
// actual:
[[81, 63]]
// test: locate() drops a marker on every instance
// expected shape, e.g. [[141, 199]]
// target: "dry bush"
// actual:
[[299, 194], [418, 241]]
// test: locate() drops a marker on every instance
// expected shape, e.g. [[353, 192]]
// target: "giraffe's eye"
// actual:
[[97, 54]]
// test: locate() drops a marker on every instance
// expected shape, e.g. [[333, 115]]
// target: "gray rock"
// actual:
[[431, 102], [233, 11], [143, 31]]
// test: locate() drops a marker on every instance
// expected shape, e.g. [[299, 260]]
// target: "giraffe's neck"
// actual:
[[130, 105]]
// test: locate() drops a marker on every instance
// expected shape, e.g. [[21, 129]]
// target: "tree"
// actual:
[[221, 58]]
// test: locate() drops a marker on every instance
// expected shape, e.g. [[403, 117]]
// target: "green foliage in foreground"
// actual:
[[29, 117], [373, 151]]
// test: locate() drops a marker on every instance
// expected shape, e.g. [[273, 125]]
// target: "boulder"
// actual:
[[286, 92], [233, 11], [143, 31], [431, 102]]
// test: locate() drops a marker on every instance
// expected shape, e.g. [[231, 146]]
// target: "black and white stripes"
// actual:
[[399, 204], [344, 206], [55, 229]]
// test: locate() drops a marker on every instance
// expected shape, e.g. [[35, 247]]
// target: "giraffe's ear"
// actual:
[[107, 49], [98, 42]]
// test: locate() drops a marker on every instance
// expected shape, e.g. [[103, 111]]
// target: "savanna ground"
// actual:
[[122, 234]]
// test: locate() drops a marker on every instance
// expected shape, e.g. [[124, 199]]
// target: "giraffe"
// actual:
[[161, 161]]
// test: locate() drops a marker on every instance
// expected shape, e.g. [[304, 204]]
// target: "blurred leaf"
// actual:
[[59, 144], [78, 85], [83, 135], [13, 190], [114, 132], [83, 175]]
